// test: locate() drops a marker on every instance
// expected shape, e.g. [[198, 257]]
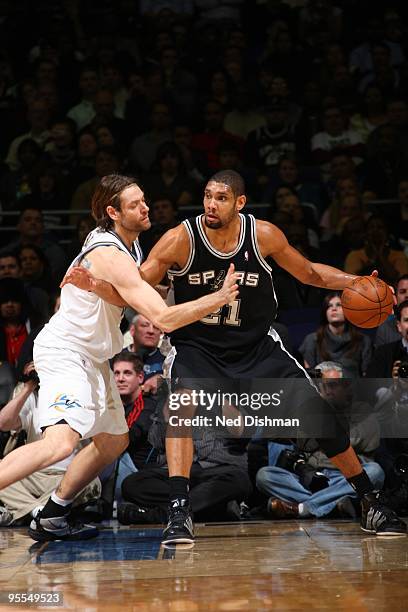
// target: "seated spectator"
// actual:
[[388, 357], [104, 107], [168, 177], [345, 204], [35, 269], [288, 494], [218, 480], [163, 216], [335, 137], [139, 408], [86, 151], [15, 184], [23, 499], [38, 118], [266, 145], [243, 118], [107, 161], [10, 267], [290, 203], [288, 175], [145, 341], [30, 229], [49, 192], [83, 112], [377, 254], [144, 148], [207, 141], [388, 331], [16, 319], [84, 226], [336, 339], [386, 161], [372, 114], [194, 162]]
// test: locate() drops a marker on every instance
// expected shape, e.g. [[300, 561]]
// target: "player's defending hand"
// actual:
[[229, 290], [80, 277]]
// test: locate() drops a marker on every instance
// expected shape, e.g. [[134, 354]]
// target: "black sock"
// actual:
[[361, 484], [179, 487], [53, 508]]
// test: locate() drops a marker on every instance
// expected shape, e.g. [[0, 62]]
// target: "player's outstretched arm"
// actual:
[[273, 243], [120, 271], [81, 277]]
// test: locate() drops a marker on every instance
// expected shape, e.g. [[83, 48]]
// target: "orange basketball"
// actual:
[[367, 301]]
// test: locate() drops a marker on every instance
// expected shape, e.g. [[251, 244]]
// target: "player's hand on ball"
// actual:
[[375, 274], [229, 291], [80, 277]]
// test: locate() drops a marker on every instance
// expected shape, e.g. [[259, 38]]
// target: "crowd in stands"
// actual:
[[308, 101]]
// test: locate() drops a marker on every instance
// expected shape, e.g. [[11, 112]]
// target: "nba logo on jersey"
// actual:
[[246, 255]]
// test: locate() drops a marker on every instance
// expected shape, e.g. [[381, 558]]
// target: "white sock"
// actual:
[[61, 502], [302, 510]]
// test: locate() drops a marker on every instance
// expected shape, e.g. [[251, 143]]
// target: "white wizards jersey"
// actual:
[[85, 323]]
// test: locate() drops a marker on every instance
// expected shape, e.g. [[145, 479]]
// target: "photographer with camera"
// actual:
[[304, 483], [21, 500]]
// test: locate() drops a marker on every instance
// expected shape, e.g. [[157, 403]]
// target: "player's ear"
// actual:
[[240, 202], [112, 213]]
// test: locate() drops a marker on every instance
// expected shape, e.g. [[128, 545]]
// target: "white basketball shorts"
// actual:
[[81, 392]]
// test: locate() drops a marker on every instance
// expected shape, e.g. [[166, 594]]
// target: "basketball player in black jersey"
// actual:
[[233, 342]]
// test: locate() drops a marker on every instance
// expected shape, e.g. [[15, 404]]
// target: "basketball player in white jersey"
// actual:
[[78, 396]]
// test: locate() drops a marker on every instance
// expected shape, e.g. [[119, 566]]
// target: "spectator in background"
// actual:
[[139, 407], [113, 78], [372, 112], [266, 145], [388, 331], [104, 106], [30, 229], [35, 269], [144, 148], [163, 216], [84, 225], [16, 319], [107, 161], [243, 118], [84, 112], [377, 254], [15, 184], [386, 161], [334, 138], [87, 148], [337, 340], [10, 267], [194, 162], [168, 177], [38, 117], [146, 338], [180, 85], [207, 141], [289, 496]]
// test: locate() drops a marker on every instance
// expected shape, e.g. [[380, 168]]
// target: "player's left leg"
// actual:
[[52, 522]]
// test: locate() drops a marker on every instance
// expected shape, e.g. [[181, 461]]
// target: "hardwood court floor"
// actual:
[[291, 565]]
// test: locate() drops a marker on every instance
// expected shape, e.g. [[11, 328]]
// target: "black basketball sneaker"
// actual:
[[377, 517], [59, 528], [180, 528]]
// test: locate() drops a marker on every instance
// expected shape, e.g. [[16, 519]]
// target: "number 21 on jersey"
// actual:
[[231, 318]]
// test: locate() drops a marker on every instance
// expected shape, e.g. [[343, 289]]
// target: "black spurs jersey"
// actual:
[[234, 329]]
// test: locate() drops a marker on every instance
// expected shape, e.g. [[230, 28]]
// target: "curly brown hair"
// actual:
[[106, 194]]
